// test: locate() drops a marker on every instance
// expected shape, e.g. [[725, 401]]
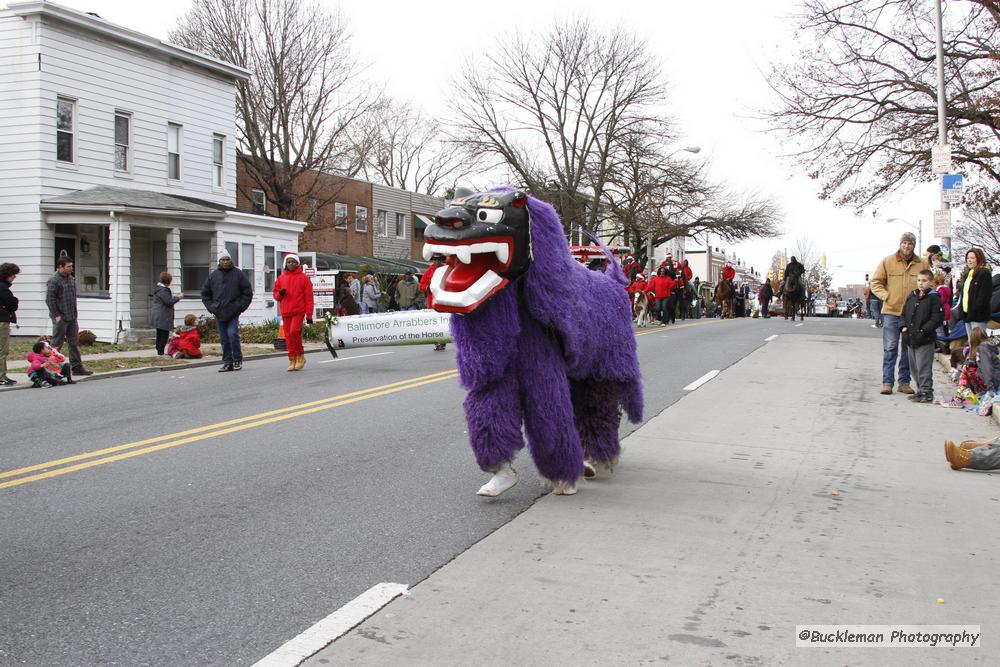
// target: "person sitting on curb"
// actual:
[[187, 342], [895, 277], [978, 455], [38, 372], [293, 290], [57, 363]]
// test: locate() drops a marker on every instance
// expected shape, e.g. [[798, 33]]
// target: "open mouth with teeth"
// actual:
[[471, 274]]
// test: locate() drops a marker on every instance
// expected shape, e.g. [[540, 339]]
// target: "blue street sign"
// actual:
[[951, 182]]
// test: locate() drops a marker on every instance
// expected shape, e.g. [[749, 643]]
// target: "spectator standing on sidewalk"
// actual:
[[370, 294], [894, 279], [60, 297], [975, 289], [354, 286], [8, 316], [922, 315], [162, 312], [406, 291], [226, 294], [293, 290]]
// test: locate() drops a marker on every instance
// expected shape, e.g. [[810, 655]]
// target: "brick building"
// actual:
[[338, 216]]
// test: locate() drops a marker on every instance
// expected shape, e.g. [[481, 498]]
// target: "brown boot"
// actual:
[[905, 389], [293, 363], [958, 458], [972, 444], [886, 389], [300, 362]]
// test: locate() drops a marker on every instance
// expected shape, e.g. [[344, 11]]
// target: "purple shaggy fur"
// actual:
[[554, 351]]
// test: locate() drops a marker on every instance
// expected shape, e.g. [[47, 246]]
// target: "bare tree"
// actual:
[[858, 102], [401, 147], [552, 107], [980, 228], [295, 112]]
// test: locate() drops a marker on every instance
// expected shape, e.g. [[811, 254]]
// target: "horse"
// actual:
[[793, 298], [684, 303], [640, 309], [724, 297]]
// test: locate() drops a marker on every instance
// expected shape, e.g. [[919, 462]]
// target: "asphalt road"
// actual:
[[238, 522]]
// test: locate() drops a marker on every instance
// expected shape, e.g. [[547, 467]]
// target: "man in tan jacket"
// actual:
[[895, 277]]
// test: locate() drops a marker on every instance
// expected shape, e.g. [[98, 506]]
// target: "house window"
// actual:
[[123, 137], [174, 152], [247, 261], [380, 220], [259, 202], [400, 226], [269, 268], [341, 216], [65, 129], [195, 262], [360, 219], [218, 160]]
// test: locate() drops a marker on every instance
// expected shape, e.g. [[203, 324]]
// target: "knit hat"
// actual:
[[292, 256], [224, 254], [908, 236]]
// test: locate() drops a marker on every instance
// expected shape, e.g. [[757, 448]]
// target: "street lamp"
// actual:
[[918, 227], [649, 240]]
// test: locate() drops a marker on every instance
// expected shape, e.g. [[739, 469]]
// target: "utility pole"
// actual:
[[942, 113]]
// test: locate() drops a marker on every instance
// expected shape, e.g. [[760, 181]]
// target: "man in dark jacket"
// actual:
[[60, 297], [923, 313], [765, 294], [8, 316], [226, 294]]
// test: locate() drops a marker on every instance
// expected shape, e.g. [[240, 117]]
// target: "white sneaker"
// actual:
[[502, 479], [874, 326]]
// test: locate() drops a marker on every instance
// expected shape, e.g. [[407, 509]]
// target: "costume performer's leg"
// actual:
[[595, 410], [548, 410], [493, 413]]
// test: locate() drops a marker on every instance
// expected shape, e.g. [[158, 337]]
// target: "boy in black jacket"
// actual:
[[922, 315]]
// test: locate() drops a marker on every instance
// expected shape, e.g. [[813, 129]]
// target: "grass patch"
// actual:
[[124, 363], [22, 346]]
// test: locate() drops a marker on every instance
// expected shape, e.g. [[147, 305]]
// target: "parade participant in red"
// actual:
[[293, 290], [638, 285], [437, 261], [630, 267], [688, 273], [658, 290], [728, 272]]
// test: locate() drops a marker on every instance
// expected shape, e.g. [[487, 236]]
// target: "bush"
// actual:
[[262, 332], [87, 338]]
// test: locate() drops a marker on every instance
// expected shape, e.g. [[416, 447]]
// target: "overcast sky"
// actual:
[[713, 56]]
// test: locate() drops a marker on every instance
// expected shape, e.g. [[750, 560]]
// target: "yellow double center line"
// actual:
[[140, 447]]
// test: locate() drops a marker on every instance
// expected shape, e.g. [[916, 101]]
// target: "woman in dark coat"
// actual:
[[8, 316], [975, 290], [162, 313]]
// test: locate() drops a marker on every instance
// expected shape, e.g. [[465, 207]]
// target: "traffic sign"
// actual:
[[951, 188], [941, 159], [942, 224]]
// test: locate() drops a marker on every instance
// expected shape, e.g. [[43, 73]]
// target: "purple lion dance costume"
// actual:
[[541, 340]]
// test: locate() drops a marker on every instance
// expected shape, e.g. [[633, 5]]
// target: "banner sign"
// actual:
[[406, 327]]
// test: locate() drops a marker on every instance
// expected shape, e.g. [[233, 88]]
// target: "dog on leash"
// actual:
[[640, 309]]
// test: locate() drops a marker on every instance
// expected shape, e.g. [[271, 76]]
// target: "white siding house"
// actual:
[[399, 214], [119, 152]]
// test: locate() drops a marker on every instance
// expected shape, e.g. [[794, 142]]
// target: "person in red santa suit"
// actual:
[[729, 275], [294, 292]]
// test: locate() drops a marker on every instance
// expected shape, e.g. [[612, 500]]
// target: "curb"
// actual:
[[159, 369]]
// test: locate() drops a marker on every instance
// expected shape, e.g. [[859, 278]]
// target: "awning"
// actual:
[[420, 221], [329, 261]]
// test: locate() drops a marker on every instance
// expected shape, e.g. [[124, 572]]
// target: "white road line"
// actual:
[[360, 356], [800, 324], [770, 338], [700, 381], [333, 626]]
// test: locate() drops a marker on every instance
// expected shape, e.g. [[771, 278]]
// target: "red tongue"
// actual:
[[461, 277]]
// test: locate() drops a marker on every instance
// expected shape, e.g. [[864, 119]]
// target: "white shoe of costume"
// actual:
[[563, 488], [589, 471], [502, 479]]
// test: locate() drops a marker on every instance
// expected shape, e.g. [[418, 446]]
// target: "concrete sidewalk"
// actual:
[[785, 491]]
